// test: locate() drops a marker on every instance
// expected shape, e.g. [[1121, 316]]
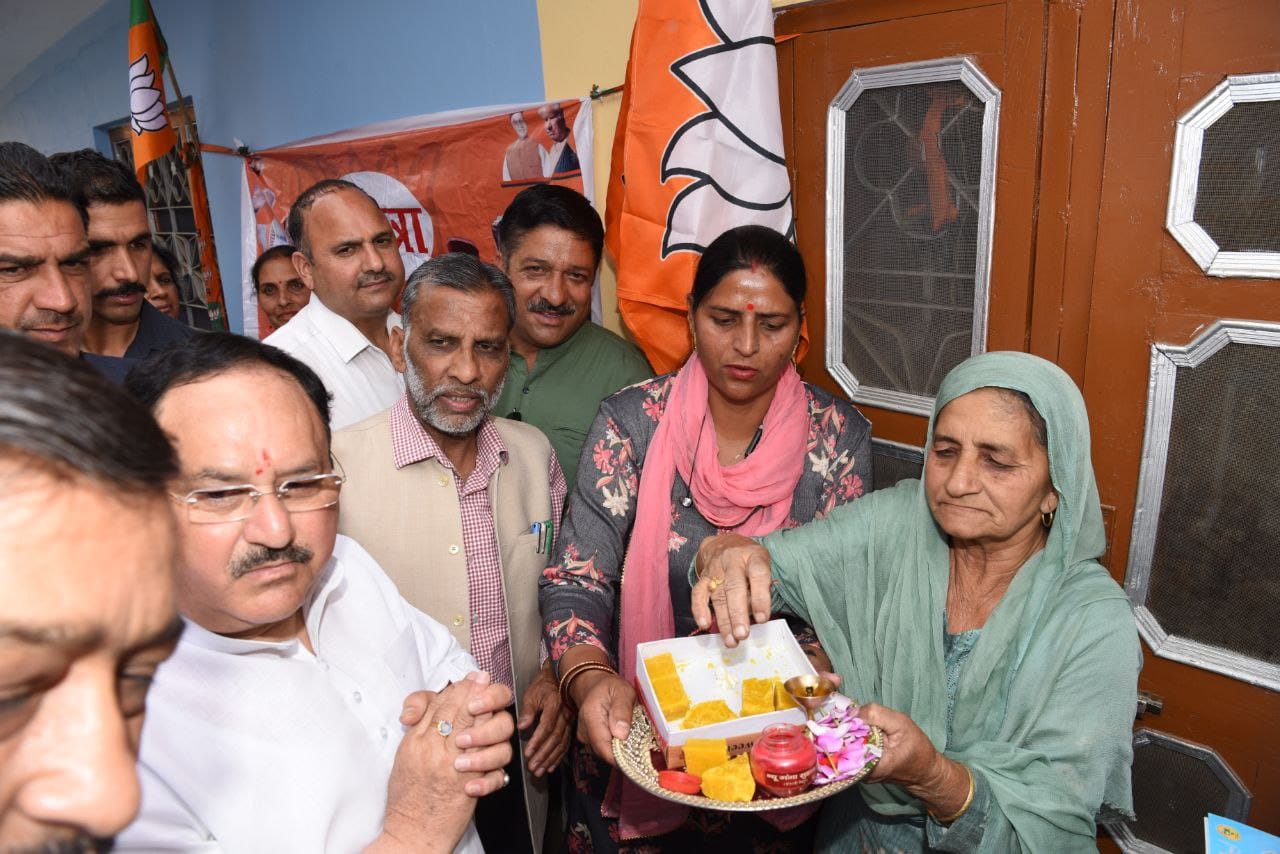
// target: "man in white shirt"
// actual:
[[347, 255], [281, 722], [86, 597]]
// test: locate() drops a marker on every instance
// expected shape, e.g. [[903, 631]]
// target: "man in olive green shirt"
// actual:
[[562, 365]]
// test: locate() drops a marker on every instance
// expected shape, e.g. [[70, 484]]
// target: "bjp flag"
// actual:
[[698, 151], [149, 124]]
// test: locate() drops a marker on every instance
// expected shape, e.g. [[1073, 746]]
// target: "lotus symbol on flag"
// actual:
[[146, 101], [733, 150]]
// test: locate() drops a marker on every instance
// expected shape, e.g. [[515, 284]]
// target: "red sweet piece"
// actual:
[[679, 781]]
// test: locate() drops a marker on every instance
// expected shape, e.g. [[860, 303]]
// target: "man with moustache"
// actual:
[[348, 256], [290, 716], [562, 366], [280, 290], [86, 598], [123, 324], [44, 257], [470, 556]]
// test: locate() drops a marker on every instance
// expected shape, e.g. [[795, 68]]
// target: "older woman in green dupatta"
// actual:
[[969, 614]]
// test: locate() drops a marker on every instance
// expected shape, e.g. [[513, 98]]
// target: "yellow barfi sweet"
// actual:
[[731, 781], [703, 753], [710, 712], [757, 696], [667, 687], [781, 699]]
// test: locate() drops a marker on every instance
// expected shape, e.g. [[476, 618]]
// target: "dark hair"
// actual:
[[297, 222], [59, 416], [1039, 428], [284, 250], [26, 175], [462, 272], [745, 247], [170, 261], [549, 204], [214, 353], [99, 179]]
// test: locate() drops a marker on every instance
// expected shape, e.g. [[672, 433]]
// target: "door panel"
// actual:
[[1083, 271], [1006, 43], [1147, 289]]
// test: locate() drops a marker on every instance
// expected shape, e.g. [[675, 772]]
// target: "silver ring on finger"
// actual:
[[506, 779], [444, 728]]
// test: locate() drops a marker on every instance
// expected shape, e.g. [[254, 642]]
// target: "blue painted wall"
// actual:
[[268, 72]]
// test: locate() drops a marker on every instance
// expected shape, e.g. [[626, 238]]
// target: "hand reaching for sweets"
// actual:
[[734, 578]]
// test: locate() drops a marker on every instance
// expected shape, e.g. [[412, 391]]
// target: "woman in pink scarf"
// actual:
[[734, 441]]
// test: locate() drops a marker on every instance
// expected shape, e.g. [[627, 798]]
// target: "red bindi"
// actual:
[[751, 306]]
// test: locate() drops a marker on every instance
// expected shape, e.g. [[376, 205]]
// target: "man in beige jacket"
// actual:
[[460, 508]]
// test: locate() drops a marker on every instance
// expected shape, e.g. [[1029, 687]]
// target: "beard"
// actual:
[[425, 403]]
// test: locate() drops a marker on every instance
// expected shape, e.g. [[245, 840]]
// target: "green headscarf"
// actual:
[[1045, 702]]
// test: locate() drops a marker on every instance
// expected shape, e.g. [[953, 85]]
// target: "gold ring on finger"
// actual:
[[713, 584], [444, 727]]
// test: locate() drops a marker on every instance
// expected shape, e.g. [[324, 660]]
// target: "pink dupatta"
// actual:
[[751, 497]]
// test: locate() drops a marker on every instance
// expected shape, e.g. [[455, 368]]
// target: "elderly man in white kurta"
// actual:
[[461, 508], [291, 717]]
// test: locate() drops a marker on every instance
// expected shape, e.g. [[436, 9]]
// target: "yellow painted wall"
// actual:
[[585, 42]]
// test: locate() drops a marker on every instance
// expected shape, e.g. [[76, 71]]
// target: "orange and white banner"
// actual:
[[698, 151], [440, 179]]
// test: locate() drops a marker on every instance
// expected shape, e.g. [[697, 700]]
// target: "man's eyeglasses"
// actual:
[[235, 503]]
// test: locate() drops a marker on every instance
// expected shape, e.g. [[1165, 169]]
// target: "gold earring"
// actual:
[[1046, 519]]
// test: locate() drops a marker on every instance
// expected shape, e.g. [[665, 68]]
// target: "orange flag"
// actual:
[[698, 150], [151, 134]]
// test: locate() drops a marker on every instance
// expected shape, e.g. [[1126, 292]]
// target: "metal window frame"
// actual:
[[1238, 802], [960, 68], [1184, 182], [1165, 361]]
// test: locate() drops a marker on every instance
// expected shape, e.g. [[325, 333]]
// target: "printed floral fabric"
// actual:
[[579, 594]]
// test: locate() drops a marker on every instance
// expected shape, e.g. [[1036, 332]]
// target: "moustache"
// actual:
[[262, 556], [44, 319], [542, 306], [121, 290], [486, 399], [81, 844], [372, 279]]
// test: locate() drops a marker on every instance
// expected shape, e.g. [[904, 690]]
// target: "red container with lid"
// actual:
[[783, 760]]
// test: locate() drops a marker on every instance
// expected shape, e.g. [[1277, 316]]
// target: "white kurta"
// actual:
[[358, 374], [253, 746]]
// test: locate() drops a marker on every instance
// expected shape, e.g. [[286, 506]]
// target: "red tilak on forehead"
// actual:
[[751, 306]]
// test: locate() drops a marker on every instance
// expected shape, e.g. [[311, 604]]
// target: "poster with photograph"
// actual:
[[442, 180]]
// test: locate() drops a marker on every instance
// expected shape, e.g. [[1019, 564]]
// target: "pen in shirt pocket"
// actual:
[[540, 529], [545, 530]]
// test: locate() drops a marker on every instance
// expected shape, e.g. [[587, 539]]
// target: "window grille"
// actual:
[[1224, 195], [911, 153], [1201, 570]]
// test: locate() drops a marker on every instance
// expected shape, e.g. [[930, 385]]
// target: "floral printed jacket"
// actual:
[[579, 594]]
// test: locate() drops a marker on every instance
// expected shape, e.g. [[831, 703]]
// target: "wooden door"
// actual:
[[1083, 272], [1006, 42], [1145, 289]]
